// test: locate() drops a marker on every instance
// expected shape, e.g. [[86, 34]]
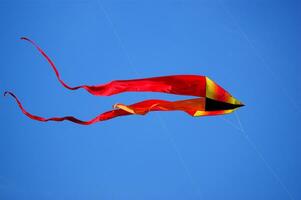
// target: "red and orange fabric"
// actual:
[[210, 98]]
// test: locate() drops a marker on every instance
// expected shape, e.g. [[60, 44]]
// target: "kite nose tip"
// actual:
[[240, 104]]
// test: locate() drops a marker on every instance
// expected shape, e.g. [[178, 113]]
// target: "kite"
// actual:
[[209, 98]]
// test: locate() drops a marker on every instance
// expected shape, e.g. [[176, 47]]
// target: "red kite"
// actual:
[[211, 99]]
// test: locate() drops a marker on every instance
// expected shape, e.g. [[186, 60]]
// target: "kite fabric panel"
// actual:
[[209, 97]]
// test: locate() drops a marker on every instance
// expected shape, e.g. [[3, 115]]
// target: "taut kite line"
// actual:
[[211, 99]]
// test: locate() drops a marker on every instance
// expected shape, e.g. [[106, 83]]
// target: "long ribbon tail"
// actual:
[[102, 117], [141, 108], [193, 107], [191, 85], [52, 65]]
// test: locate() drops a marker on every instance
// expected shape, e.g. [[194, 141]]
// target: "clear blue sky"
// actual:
[[251, 48]]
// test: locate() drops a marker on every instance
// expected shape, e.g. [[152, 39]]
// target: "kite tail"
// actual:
[[52, 65], [102, 117], [139, 108], [191, 85]]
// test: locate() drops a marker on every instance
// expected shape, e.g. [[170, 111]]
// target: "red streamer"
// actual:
[[191, 85]]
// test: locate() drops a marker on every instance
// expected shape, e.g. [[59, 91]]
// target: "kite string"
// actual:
[[241, 127], [230, 123], [100, 5], [181, 158], [268, 165], [260, 57], [163, 123]]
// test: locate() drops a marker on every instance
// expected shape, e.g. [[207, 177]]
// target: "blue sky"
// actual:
[[251, 48]]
